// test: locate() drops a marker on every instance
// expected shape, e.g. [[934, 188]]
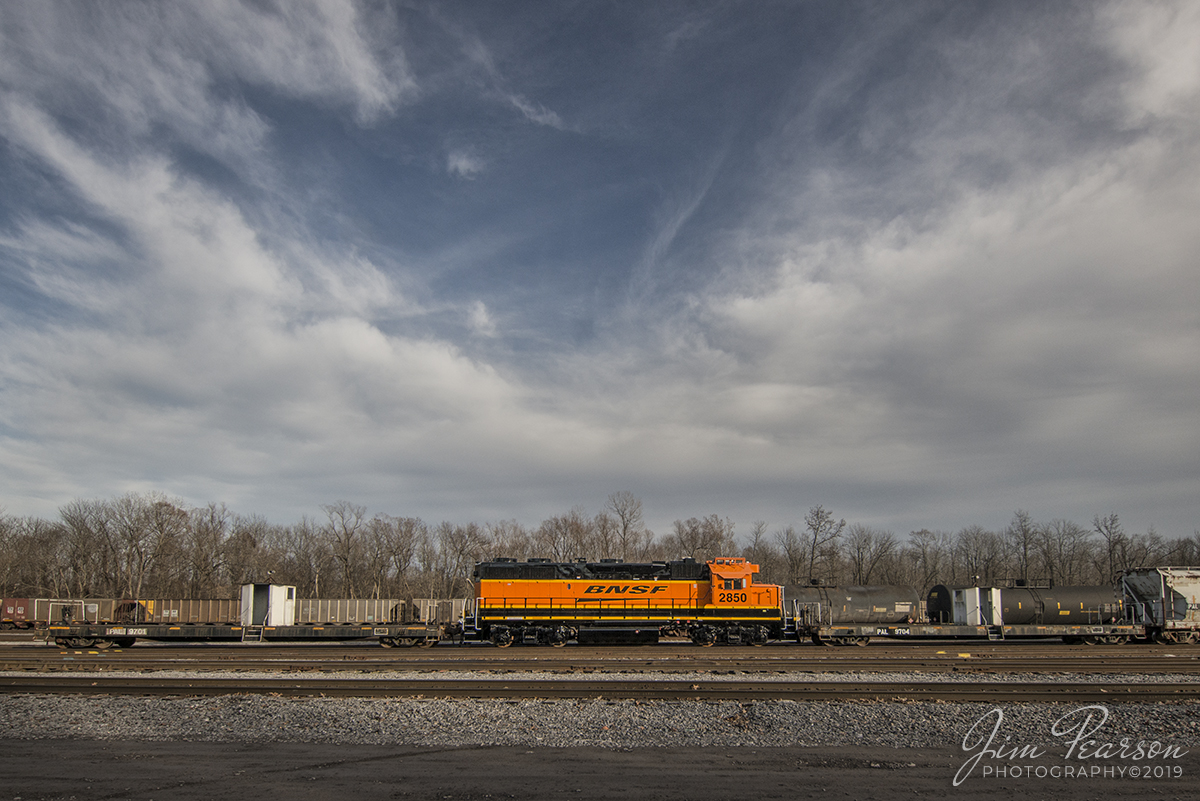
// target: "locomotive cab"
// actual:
[[737, 610], [731, 580]]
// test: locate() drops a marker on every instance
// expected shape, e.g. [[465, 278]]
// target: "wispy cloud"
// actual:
[[464, 164], [937, 264], [536, 113]]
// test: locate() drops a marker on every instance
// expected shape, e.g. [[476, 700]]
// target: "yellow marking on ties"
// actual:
[[965, 656]]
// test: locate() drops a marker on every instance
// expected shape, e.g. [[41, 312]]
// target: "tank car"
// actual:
[[1061, 605], [820, 611]]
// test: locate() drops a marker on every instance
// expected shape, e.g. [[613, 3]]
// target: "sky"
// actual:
[[923, 264]]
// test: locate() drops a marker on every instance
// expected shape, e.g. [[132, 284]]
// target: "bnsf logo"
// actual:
[[635, 589]]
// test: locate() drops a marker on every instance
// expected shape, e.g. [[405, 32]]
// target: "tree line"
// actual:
[[147, 545]]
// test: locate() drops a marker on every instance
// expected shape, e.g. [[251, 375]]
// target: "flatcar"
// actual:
[[263, 613], [539, 602]]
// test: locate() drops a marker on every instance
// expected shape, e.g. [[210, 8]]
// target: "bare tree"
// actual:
[[1065, 550], [1022, 534], [821, 534], [867, 549], [929, 552], [565, 537], [762, 552], [626, 508], [705, 538], [345, 525], [206, 536], [795, 555], [1116, 543], [91, 549], [509, 538], [147, 531], [980, 555]]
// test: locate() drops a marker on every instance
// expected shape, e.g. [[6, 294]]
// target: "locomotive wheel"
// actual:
[[502, 639], [558, 643]]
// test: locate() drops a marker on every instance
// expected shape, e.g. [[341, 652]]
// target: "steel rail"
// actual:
[[280, 660], [990, 692]]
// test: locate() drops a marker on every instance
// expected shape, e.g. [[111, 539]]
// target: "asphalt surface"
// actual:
[[63, 769]]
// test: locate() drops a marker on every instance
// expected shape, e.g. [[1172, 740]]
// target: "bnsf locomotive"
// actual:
[[540, 602]]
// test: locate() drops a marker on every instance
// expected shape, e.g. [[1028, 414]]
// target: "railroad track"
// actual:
[[755, 661], [991, 692]]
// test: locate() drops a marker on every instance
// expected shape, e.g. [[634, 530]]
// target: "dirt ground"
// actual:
[[62, 769]]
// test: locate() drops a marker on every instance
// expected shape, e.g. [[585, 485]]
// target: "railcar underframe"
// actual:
[[104, 636]]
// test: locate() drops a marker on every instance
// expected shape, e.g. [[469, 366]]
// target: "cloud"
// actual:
[[536, 113], [127, 69], [464, 164], [273, 355], [1155, 39], [481, 320], [942, 267]]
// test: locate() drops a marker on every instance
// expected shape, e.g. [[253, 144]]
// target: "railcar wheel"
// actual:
[[102, 644], [427, 643], [387, 642]]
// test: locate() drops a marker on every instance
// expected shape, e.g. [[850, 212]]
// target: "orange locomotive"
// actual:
[[540, 602]]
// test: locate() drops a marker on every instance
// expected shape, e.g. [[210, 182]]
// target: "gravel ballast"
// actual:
[[605, 723]]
